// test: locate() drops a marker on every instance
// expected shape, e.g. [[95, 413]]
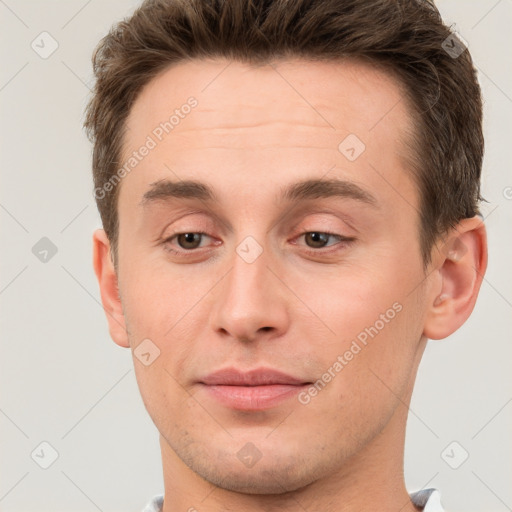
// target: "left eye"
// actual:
[[319, 239]]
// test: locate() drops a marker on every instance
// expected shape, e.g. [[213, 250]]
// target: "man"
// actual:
[[289, 194]]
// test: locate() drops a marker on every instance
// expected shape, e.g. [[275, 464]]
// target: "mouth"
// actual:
[[254, 390]]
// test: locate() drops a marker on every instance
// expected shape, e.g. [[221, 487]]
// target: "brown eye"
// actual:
[[189, 245], [325, 243], [189, 240], [316, 239]]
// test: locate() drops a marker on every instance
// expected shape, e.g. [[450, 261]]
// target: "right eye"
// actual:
[[187, 242]]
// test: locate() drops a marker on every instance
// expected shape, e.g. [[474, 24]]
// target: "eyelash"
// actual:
[[342, 241]]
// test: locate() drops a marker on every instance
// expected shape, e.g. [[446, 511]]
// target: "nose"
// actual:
[[250, 301]]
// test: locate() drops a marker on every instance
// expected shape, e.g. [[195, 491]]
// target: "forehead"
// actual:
[[334, 95], [251, 124]]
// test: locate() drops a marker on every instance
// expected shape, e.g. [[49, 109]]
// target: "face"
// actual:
[[296, 250]]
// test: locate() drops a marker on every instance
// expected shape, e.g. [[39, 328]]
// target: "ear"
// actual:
[[109, 290], [460, 270]]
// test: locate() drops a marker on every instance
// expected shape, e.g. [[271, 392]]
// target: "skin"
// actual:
[[254, 131]]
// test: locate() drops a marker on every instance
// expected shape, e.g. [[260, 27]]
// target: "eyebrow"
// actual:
[[163, 190]]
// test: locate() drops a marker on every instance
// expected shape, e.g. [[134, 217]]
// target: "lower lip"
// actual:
[[253, 398]]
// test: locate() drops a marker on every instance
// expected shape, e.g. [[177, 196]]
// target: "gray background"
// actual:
[[63, 380]]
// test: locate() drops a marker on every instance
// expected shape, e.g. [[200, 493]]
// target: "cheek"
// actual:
[[375, 326], [387, 360], [164, 399], [351, 301], [155, 299], [366, 379]]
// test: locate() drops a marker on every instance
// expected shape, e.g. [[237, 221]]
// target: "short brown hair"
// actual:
[[407, 37]]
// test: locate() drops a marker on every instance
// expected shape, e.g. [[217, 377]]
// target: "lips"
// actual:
[[256, 377], [254, 390]]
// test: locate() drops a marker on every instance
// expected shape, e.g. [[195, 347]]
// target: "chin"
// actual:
[[278, 474], [277, 480]]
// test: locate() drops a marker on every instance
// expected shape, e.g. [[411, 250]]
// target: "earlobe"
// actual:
[[460, 270], [109, 290]]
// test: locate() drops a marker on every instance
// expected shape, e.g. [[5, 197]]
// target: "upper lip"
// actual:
[[255, 377]]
